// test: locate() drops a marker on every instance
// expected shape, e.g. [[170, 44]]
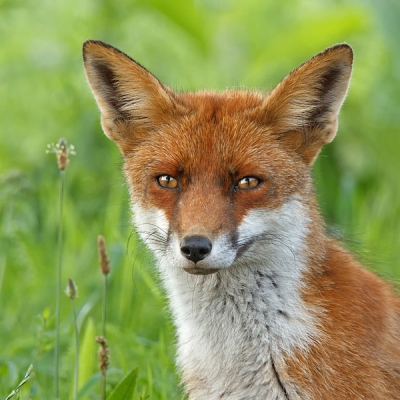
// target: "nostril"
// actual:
[[185, 250], [196, 248]]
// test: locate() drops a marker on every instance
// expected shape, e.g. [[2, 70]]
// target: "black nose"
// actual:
[[195, 248]]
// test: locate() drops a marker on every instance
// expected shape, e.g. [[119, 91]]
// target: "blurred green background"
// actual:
[[188, 45]]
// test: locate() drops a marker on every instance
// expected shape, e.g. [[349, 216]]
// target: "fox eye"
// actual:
[[167, 181], [248, 182]]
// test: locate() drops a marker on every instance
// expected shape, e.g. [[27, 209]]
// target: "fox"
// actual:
[[266, 305]]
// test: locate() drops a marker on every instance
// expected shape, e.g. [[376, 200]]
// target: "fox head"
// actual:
[[213, 175]]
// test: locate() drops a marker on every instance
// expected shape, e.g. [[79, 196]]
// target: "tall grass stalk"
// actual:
[[26, 379], [72, 293], [104, 263], [104, 306], [62, 151], [59, 273]]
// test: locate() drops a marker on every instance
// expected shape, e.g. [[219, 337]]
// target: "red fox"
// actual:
[[265, 304]]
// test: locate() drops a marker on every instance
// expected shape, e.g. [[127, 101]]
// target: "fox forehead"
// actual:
[[218, 139]]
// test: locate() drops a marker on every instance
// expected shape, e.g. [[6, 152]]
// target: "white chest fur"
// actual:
[[235, 327]]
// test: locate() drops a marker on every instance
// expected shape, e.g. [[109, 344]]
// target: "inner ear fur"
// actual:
[[127, 94], [302, 110]]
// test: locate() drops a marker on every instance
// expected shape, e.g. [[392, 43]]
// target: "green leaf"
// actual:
[[126, 387]]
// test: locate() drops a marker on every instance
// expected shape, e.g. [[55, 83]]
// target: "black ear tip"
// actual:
[[97, 48], [93, 44], [344, 49], [86, 46]]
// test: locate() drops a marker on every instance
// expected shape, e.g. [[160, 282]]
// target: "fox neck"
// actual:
[[251, 314]]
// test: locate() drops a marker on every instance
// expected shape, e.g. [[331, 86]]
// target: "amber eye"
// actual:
[[167, 181], [248, 182]]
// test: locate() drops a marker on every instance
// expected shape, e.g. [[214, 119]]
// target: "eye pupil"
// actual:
[[167, 181]]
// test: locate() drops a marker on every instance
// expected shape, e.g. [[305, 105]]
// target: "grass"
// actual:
[[26, 378], [103, 353], [202, 45], [61, 150], [72, 293]]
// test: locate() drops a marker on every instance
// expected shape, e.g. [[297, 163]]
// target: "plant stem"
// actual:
[[26, 379], [58, 301], [104, 305], [77, 352], [104, 316], [104, 263]]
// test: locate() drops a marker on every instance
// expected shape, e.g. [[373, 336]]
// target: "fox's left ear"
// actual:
[[302, 111]]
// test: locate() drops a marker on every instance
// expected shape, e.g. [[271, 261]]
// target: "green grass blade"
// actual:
[[87, 360], [126, 387]]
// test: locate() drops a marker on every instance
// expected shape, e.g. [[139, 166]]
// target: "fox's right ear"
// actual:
[[130, 98]]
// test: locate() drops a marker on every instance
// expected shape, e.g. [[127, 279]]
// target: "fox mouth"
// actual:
[[201, 271]]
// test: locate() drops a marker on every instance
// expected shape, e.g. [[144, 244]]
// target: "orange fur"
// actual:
[[359, 354]]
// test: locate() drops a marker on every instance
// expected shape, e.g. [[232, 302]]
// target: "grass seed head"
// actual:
[[62, 150], [104, 261], [103, 353], [71, 290]]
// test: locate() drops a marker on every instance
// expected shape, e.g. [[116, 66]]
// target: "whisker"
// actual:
[[270, 237], [157, 227]]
